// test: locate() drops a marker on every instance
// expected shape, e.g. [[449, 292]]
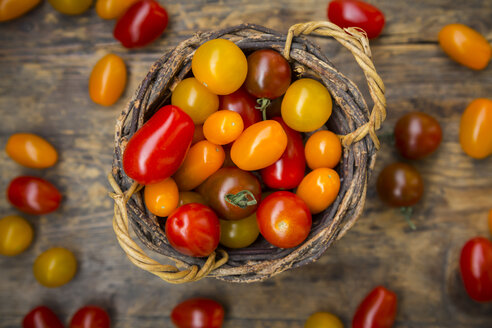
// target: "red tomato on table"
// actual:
[[33, 195], [377, 310], [90, 317], [476, 269], [41, 317], [198, 313]]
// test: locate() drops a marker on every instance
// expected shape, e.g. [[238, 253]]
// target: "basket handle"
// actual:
[[355, 40]]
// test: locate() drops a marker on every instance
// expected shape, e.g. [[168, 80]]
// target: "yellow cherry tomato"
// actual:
[[203, 159], [55, 267], [111, 9], [161, 198], [323, 149], [31, 150], [71, 7], [108, 80], [223, 127], [306, 105], [465, 45], [239, 233], [15, 235], [11, 9], [323, 320], [259, 146], [319, 189], [195, 99], [220, 65], [476, 128], [187, 197]]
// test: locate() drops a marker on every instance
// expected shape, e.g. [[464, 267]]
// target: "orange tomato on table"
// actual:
[[11, 9], [111, 9], [476, 128], [31, 150], [108, 80]]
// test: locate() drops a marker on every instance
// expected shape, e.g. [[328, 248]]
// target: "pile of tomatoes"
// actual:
[[223, 163]]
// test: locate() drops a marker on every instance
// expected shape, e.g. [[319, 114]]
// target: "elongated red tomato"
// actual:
[[156, 151], [90, 316], [476, 269], [377, 310], [198, 313], [288, 171], [244, 104], [41, 317], [33, 195]]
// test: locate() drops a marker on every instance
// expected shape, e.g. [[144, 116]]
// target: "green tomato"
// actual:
[[239, 233], [15, 235]]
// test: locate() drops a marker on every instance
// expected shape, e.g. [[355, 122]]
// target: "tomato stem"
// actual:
[[407, 214], [263, 104], [242, 199]]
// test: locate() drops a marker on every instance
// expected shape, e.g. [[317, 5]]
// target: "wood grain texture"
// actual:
[[45, 62]]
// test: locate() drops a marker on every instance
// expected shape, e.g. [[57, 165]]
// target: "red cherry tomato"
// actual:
[[141, 24], [356, 13], [90, 317], [284, 219], [193, 229], [33, 195], [377, 310], [242, 103], [41, 317], [198, 313], [288, 171], [476, 269], [167, 135]]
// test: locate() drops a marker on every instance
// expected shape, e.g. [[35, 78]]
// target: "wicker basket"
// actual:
[[351, 120]]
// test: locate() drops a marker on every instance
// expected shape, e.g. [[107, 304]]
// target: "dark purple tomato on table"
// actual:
[[33, 195], [193, 229], [141, 24], [417, 135], [356, 13], [158, 148], [242, 103], [41, 317], [269, 74], [377, 310], [400, 185], [231, 192], [198, 313], [90, 316], [476, 269], [288, 171]]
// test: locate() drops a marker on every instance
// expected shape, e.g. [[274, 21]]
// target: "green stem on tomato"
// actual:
[[263, 104], [242, 199], [407, 214]]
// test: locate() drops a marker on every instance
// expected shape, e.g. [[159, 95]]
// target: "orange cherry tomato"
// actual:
[[490, 221], [259, 146], [323, 149], [223, 127], [11, 9], [108, 80], [202, 160], [198, 134], [476, 128], [319, 189], [31, 150], [161, 198], [71, 7], [111, 9], [187, 197], [465, 45], [55, 267]]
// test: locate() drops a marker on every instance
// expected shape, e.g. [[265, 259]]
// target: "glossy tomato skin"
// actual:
[[417, 135], [161, 198], [223, 127], [167, 134], [108, 80], [323, 149], [15, 235], [288, 171], [186, 197], [141, 24], [12, 9], [323, 320], [111, 9], [230, 181], [319, 189], [41, 317], [239, 233], [400, 185], [476, 129], [377, 310], [198, 313], [241, 102], [90, 316], [284, 219], [33, 195], [269, 74], [193, 229], [476, 269], [71, 7], [31, 150], [55, 267], [356, 13]]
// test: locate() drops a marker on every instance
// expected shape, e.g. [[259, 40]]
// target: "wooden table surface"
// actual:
[[45, 62]]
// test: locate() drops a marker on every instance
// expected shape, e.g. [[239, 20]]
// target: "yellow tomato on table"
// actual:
[[31, 150], [55, 267], [323, 320], [15, 235], [476, 128], [71, 7], [111, 9], [11, 9], [108, 80]]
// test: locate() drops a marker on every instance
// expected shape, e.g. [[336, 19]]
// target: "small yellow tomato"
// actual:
[[108, 80], [323, 320], [55, 267], [220, 65], [239, 233], [161, 198], [11, 9], [31, 150], [71, 7], [111, 9], [465, 45], [476, 128], [323, 149], [195, 99], [259, 146], [319, 189], [306, 105], [15, 235], [187, 197], [223, 127], [203, 159]]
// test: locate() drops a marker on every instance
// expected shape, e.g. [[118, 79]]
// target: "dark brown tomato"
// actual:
[[400, 185]]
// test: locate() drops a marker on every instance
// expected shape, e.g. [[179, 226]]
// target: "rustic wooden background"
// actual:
[[45, 62]]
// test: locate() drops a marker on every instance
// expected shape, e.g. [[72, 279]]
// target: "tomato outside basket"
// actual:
[[351, 120]]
